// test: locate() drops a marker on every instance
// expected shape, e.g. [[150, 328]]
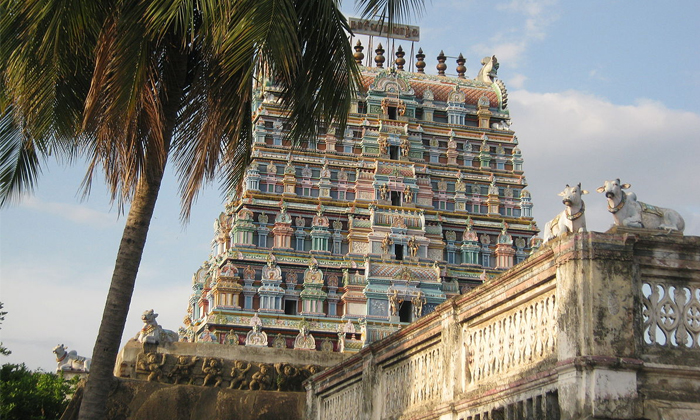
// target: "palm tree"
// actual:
[[128, 84]]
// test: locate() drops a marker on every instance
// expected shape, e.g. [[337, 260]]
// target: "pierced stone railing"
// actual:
[[671, 314], [523, 336]]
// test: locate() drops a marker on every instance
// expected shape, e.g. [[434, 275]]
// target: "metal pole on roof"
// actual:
[[370, 52]]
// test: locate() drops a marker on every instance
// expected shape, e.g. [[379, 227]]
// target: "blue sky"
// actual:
[[597, 90]]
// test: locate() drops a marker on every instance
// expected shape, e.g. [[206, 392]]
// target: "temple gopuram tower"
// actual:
[[357, 232]]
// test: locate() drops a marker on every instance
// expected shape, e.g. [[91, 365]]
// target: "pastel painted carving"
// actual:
[[629, 212], [573, 218]]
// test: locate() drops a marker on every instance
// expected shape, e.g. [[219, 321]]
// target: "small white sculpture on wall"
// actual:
[[629, 212], [70, 361], [573, 218], [153, 333]]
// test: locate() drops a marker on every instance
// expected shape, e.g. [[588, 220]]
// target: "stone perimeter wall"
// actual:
[[235, 367], [593, 326]]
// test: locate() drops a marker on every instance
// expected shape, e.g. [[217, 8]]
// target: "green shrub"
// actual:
[[27, 395]]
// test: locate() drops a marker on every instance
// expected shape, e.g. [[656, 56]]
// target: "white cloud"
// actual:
[[597, 74], [517, 81], [506, 52], [79, 214], [533, 18], [538, 15], [572, 137]]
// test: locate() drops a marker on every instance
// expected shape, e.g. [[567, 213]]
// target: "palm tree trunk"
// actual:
[[104, 355]]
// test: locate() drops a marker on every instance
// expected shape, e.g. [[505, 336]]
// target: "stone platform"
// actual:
[[143, 400]]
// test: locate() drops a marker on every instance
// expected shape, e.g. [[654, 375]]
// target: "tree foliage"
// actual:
[[3, 350], [132, 84], [28, 395]]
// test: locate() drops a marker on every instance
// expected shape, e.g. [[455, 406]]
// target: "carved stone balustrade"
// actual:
[[593, 325]]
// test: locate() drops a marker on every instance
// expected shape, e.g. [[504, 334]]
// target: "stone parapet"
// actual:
[[593, 325], [234, 366]]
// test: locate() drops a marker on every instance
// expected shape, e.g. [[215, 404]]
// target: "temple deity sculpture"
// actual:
[[248, 273], [152, 365], [231, 338], [383, 145], [183, 369], [306, 171], [394, 302], [256, 337], [325, 172], [261, 380], [289, 168], [493, 189], [405, 147], [212, 369], [271, 271], [407, 194], [319, 219], [271, 168], [386, 244], [418, 301], [438, 271], [283, 217], [285, 376], [313, 274], [460, 186], [206, 336], [239, 372], [413, 247], [228, 270], [304, 340], [384, 192]]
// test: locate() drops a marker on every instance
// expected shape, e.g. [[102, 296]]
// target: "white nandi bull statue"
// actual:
[[573, 218], [153, 333], [629, 212], [69, 361]]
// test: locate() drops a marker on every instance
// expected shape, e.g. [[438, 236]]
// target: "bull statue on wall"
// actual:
[[572, 218], [629, 212], [152, 332]]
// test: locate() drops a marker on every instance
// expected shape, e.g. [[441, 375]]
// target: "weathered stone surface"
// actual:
[[142, 400], [593, 326], [210, 364]]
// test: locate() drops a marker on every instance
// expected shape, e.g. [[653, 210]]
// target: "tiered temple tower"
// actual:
[[357, 232]]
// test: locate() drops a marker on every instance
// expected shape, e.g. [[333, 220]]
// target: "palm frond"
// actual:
[[125, 102], [327, 77], [19, 162], [390, 11], [44, 69]]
